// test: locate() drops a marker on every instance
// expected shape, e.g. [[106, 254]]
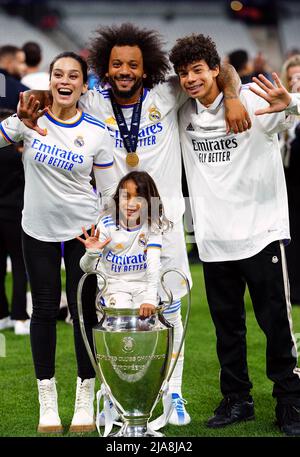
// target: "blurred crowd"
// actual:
[[21, 68]]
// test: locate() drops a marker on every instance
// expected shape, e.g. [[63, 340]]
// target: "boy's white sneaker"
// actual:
[[22, 327], [6, 322], [83, 418], [49, 419]]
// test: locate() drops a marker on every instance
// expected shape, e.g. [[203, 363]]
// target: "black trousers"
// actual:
[[43, 263], [293, 249], [267, 280], [11, 244]]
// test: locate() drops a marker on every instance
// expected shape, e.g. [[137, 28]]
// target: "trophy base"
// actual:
[[135, 431]]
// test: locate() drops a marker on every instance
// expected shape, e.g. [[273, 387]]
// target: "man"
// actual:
[[132, 67], [11, 200], [12, 67], [34, 78], [240, 211], [248, 68]]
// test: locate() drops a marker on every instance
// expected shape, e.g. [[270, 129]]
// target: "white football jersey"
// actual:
[[236, 181], [58, 197], [158, 144], [130, 261]]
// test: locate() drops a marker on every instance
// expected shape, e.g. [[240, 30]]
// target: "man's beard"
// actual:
[[125, 93]]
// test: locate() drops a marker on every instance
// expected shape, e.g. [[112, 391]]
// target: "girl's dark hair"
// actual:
[[72, 55], [192, 48], [155, 60], [147, 189]]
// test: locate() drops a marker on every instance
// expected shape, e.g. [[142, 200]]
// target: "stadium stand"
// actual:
[[15, 31], [224, 31]]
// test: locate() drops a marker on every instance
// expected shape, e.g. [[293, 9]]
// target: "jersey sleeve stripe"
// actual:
[[5, 136], [102, 166], [95, 119], [154, 245], [89, 121]]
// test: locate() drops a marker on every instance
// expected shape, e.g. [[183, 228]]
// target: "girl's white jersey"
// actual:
[[59, 198], [236, 181], [131, 261], [158, 144]]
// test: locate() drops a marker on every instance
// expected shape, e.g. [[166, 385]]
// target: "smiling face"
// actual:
[[199, 81], [126, 72], [66, 82], [131, 204], [293, 78]]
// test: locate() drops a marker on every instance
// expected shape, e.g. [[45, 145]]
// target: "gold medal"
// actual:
[[132, 159]]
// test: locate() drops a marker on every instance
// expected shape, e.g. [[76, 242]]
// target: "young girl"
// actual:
[[126, 245], [58, 201]]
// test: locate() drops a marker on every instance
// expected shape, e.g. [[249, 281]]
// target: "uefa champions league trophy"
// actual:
[[132, 356]]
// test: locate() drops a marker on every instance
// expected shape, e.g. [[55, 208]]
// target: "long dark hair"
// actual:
[[146, 188], [155, 59], [72, 55]]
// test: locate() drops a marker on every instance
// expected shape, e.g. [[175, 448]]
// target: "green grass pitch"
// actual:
[[18, 391]]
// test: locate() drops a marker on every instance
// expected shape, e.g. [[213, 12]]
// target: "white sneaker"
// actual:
[[83, 418], [6, 322], [22, 327], [114, 415], [49, 418], [179, 414]]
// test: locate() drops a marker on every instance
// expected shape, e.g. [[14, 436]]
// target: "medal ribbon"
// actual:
[[130, 138]]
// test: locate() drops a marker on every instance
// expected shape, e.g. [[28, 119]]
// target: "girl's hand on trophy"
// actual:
[[147, 310], [92, 241]]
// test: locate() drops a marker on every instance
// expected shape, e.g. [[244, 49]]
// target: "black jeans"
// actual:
[[267, 280], [11, 244], [43, 263]]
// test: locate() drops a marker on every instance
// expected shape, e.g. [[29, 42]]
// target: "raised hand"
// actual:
[[28, 110], [92, 241], [275, 94]]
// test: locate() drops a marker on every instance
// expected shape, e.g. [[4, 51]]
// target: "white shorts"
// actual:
[[174, 255], [131, 300]]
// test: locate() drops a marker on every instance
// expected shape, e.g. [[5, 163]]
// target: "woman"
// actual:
[[290, 148], [58, 201]]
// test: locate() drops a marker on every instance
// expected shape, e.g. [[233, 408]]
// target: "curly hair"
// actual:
[[156, 64], [192, 48]]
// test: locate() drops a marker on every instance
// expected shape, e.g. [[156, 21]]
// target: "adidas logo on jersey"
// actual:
[[190, 128]]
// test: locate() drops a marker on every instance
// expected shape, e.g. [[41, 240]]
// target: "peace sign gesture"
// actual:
[[92, 241], [275, 94]]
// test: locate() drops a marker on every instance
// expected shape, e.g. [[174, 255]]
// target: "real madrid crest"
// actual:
[[154, 114], [79, 141], [142, 240], [128, 344]]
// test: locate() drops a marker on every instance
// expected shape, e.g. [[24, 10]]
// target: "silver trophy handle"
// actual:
[[163, 308], [80, 314]]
